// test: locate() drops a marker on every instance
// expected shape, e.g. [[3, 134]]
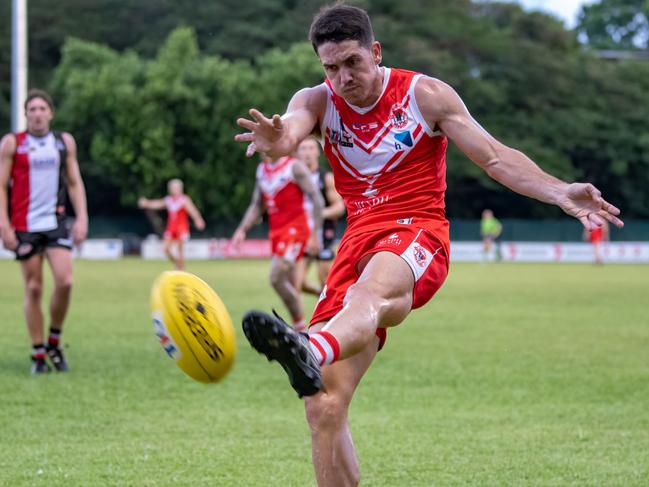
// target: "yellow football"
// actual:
[[193, 325]]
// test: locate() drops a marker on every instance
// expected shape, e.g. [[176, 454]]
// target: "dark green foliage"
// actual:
[[148, 102]]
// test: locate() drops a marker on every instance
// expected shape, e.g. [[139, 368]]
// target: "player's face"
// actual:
[[175, 189], [38, 114], [353, 70], [309, 151]]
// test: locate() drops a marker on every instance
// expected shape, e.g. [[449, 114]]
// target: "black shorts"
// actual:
[[327, 251], [32, 243]]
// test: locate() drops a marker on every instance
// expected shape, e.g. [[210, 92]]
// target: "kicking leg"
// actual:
[[381, 297]]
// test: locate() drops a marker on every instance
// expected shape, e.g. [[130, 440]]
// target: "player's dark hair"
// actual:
[[42, 94], [338, 23]]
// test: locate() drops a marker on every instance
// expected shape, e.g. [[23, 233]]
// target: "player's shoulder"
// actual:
[[8, 144], [313, 96]]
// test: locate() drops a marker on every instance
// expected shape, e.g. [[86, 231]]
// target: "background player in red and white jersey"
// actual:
[[284, 188], [309, 152], [385, 133], [596, 236], [41, 168], [179, 206]]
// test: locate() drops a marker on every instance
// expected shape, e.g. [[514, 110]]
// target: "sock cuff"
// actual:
[[333, 343]]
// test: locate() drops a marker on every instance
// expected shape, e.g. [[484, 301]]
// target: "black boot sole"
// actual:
[[277, 341]]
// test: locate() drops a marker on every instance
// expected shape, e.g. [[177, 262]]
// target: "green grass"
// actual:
[[512, 375]]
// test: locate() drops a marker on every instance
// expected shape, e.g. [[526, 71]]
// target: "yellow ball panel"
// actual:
[[193, 325]]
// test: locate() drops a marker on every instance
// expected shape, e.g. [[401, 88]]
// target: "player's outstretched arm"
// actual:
[[252, 215], [147, 204], [279, 136], [7, 150], [76, 190], [441, 106], [336, 207], [303, 179], [195, 215]]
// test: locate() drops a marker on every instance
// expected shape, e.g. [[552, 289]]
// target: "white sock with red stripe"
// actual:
[[324, 346]]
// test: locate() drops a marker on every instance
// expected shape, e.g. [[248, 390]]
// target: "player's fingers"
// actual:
[[609, 208], [595, 193], [247, 137], [596, 220], [612, 219], [247, 124], [252, 148], [586, 223], [277, 122], [259, 117]]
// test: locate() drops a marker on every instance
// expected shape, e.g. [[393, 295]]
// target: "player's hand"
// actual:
[[200, 225], [266, 135], [237, 238], [79, 231], [585, 202], [9, 240], [141, 202], [313, 246]]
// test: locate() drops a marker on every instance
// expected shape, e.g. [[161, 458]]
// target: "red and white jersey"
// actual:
[[389, 165], [38, 182], [287, 205], [177, 220]]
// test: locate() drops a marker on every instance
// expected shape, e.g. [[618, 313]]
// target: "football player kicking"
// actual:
[[385, 132], [284, 188], [178, 206]]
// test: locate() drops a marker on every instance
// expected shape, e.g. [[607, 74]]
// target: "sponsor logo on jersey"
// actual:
[[365, 127], [404, 221], [341, 137], [44, 162], [398, 116], [404, 137]]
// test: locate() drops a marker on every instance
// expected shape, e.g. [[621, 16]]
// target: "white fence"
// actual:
[[612, 252]]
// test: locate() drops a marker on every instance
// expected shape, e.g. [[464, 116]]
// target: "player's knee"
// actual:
[[368, 294], [34, 290], [325, 411], [64, 283]]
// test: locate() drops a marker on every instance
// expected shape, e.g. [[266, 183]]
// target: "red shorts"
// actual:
[[176, 234], [289, 244], [425, 254]]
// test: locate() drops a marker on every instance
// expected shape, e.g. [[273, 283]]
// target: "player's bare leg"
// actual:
[[167, 248], [334, 456], [301, 277], [282, 279], [32, 270], [382, 297], [323, 270], [180, 255], [60, 261], [597, 253]]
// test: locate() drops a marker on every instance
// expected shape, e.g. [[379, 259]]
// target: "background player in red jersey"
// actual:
[[596, 236], [178, 206], [385, 134], [284, 188], [42, 168], [309, 152]]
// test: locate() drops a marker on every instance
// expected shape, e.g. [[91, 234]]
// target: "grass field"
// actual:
[[513, 375]]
